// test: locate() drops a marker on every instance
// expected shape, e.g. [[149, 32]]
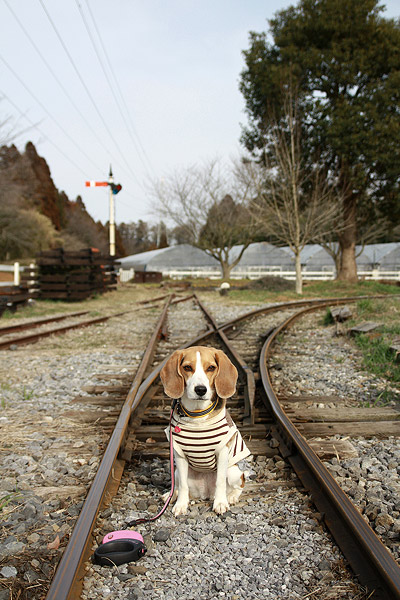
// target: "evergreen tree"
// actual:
[[344, 59]]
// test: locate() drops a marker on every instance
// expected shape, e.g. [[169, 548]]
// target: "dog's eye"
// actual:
[[187, 368], [211, 368]]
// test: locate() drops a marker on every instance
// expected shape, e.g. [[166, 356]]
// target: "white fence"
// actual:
[[257, 272], [126, 275], [13, 273]]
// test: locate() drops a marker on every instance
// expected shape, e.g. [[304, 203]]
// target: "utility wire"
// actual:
[[49, 140], [56, 77], [46, 137], [127, 112], [85, 86], [65, 132], [108, 81]]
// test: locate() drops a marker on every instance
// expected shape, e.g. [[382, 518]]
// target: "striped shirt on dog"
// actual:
[[200, 442]]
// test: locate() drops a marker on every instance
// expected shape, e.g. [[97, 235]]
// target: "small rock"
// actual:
[[162, 535], [29, 511], [135, 594], [125, 576], [384, 520], [137, 569], [8, 572]]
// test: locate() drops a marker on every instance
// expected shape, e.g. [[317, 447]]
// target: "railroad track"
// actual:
[[256, 409], [11, 337]]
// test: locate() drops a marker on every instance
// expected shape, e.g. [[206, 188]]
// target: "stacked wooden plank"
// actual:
[[70, 275], [12, 296]]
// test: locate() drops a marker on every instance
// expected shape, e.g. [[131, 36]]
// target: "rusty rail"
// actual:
[[65, 582], [372, 563], [246, 375], [34, 337], [40, 322]]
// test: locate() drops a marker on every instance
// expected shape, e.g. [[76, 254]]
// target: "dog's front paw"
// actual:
[[180, 508], [234, 495], [220, 506]]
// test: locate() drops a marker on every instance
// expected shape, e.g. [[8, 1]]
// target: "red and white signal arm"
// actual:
[[96, 183]]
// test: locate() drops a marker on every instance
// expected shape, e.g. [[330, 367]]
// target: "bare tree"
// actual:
[[208, 205], [292, 205]]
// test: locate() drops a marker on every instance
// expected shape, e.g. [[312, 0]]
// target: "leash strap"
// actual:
[[171, 462]]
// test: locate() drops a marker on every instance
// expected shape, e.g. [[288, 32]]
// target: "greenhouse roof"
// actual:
[[258, 254], [183, 255]]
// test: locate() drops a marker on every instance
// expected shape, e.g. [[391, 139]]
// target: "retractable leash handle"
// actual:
[[119, 547], [171, 464], [125, 545]]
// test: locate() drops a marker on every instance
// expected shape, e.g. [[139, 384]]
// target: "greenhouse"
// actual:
[[376, 261]]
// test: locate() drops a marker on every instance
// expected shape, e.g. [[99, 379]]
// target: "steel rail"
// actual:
[[66, 584], [245, 373], [34, 337], [371, 562], [299, 304], [63, 586], [39, 322], [30, 339]]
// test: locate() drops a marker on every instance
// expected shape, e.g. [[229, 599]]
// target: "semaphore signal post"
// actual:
[[114, 188]]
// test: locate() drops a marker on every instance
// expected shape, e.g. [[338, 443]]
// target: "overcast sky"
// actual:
[[177, 64]]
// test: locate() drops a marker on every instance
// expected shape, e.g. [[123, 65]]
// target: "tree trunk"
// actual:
[[347, 241], [299, 277], [226, 270], [338, 259]]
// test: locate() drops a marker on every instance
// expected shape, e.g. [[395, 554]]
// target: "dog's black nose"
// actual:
[[200, 390]]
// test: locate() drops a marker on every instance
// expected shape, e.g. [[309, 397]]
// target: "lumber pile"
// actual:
[[70, 275], [12, 296]]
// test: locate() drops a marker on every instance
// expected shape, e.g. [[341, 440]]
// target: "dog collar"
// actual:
[[195, 414]]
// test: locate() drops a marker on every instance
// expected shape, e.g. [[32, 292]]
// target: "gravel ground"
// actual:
[[48, 454], [319, 363], [270, 546]]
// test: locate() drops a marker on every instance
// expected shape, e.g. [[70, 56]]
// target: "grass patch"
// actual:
[[124, 298], [8, 498], [378, 358], [328, 319], [271, 283], [27, 394], [365, 307], [246, 292]]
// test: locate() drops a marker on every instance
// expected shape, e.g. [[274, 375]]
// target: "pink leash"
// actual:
[[123, 546], [171, 463]]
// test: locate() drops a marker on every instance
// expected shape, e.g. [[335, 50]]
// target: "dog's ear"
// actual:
[[171, 377], [225, 380]]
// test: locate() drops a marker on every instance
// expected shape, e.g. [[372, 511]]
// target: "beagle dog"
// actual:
[[207, 445]]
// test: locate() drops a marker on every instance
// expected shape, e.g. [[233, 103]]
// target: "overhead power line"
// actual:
[[49, 140], [86, 87], [65, 132], [46, 137], [127, 116], [67, 94]]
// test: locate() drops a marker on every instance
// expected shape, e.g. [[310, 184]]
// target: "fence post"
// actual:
[[17, 279]]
